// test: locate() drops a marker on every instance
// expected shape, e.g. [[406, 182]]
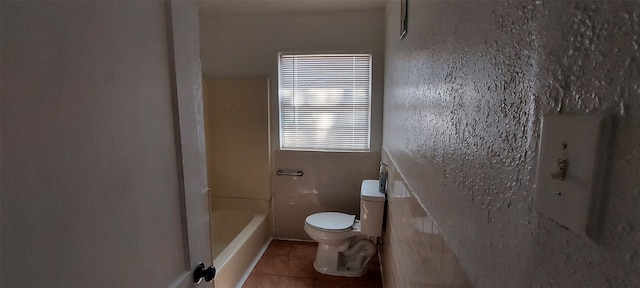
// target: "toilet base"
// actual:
[[338, 272], [349, 259]]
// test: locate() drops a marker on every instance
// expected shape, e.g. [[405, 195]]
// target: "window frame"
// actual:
[[369, 104]]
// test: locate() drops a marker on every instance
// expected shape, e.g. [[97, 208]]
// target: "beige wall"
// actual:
[[413, 251], [331, 182], [464, 96], [237, 132], [248, 45]]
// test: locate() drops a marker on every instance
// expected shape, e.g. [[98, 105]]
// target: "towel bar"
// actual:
[[290, 173]]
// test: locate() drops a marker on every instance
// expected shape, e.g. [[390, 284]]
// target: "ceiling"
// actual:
[[231, 7]]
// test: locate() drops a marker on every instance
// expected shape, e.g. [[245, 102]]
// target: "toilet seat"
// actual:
[[331, 221]]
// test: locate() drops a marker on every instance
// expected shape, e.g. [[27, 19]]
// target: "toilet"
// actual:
[[345, 244]]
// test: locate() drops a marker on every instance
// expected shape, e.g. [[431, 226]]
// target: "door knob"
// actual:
[[200, 272]]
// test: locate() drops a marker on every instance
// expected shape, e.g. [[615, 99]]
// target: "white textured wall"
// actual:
[[464, 96]]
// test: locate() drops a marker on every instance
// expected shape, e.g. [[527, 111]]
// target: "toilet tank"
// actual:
[[371, 208]]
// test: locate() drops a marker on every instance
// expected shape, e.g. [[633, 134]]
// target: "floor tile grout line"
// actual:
[[317, 278]]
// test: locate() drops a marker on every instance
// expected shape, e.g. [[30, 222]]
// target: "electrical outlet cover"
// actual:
[[575, 142]]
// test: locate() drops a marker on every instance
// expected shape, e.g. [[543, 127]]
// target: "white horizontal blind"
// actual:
[[325, 102]]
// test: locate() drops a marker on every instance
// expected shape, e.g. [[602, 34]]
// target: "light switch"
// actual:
[[570, 169]]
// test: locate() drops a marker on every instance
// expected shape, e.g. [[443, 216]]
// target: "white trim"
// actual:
[[253, 264]]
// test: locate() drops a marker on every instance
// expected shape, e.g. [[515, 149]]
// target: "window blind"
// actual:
[[325, 102]]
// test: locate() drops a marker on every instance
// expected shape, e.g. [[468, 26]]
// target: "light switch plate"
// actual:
[[575, 143]]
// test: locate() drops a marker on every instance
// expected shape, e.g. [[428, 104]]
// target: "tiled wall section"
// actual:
[[331, 182], [414, 254]]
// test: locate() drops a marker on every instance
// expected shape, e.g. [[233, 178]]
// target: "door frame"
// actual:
[[186, 85]]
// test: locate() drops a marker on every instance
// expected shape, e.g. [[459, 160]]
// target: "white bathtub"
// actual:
[[238, 237]]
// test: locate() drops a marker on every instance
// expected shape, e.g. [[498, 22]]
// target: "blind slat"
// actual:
[[325, 102]]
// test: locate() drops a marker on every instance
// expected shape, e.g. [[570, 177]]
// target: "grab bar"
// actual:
[[290, 173]]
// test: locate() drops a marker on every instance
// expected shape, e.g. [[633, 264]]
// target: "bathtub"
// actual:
[[238, 238]]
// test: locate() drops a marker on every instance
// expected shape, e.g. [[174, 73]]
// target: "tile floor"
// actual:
[[289, 264]]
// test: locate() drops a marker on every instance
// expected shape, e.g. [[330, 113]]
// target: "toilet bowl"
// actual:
[[345, 244]]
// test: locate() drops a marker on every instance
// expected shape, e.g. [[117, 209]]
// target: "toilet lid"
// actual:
[[331, 220]]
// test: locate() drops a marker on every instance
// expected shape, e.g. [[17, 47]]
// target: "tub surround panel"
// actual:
[[331, 182], [237, 134], [465, 92], [256, 206]]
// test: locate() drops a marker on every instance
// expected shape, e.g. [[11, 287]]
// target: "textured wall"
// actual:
[[465, 92]]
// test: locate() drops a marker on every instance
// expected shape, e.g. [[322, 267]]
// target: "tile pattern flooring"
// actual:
[[289, 264]]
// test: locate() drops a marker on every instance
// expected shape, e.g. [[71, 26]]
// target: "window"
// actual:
[[325, 102]]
